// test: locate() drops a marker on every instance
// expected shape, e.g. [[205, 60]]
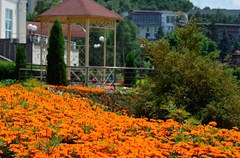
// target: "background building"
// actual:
[[13, 20], [150, 23], [170, 19]]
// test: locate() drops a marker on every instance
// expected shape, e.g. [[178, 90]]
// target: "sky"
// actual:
[[223, 4]]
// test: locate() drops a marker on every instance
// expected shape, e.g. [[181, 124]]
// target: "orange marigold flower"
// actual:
[[212, 123], [235, 128]]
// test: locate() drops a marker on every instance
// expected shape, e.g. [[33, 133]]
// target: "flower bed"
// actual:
[[39, 123], [114, 100]]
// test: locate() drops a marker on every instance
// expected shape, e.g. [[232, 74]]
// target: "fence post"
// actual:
[[19, 73], [86, 76], [114, 76]]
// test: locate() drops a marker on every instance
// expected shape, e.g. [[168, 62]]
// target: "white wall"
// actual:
[[22, 21], [169, 27], [1, 19], [74, 56], [18, 27]]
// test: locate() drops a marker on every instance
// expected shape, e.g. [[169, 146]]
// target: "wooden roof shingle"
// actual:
[[80, 8]]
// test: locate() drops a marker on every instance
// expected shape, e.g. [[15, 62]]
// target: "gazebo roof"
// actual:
[[86, 8]]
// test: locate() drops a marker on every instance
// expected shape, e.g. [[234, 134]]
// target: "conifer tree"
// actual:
[[56, 67]]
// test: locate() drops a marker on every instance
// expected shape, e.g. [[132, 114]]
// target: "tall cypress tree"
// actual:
[[56, 67]]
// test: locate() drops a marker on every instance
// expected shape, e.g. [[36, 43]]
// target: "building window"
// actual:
[[8, 23], [147, 29], [171, 19]]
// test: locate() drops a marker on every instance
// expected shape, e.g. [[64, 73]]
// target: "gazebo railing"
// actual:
[[92, 75]]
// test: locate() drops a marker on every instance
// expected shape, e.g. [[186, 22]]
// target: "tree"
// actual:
[[129, 74], [160, 33], [120, 6], [43, 5], [21, 60], [191, 38], [237, 44], [127, 38], [224, 45], [56, 67], [31, 16], [194, 82]]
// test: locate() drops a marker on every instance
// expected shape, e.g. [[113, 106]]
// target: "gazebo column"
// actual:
[[41, 49], [104, 55], [68, 53], [115, 43], [105, 49], [87, 51]]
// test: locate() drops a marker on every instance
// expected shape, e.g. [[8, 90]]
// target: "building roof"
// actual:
[[76, 30], [80, 8]]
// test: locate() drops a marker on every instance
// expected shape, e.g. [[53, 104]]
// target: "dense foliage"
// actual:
[[193, 38], [127, 41], [120, 6], [21, 60], [39, 123], [203, 87], [124, 5], [7, 70], [56, 67], [130, 74], [217, 17], [43, 5]]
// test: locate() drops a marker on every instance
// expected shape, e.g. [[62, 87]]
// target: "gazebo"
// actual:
[[85, 13]]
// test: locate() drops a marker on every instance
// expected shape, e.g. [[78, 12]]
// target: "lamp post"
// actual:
[[31, 30], [96, 46], [102, 40]]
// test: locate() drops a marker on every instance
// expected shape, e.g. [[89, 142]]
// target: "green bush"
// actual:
[[204, 88], [7, 70], [32, 82], [8, 82]]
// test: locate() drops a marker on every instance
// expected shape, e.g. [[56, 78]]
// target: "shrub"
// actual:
[[8, 82], [7, 70], [197, 84], [56, 67], [20, 60], [203, 87], [32, 82]]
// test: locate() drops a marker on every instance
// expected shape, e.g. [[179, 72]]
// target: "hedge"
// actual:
[[7, 70]]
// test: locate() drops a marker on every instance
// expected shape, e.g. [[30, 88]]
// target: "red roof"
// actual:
[[81, 8], [76, 30]]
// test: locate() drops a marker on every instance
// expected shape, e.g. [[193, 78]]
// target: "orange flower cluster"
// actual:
[[39, 123]]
